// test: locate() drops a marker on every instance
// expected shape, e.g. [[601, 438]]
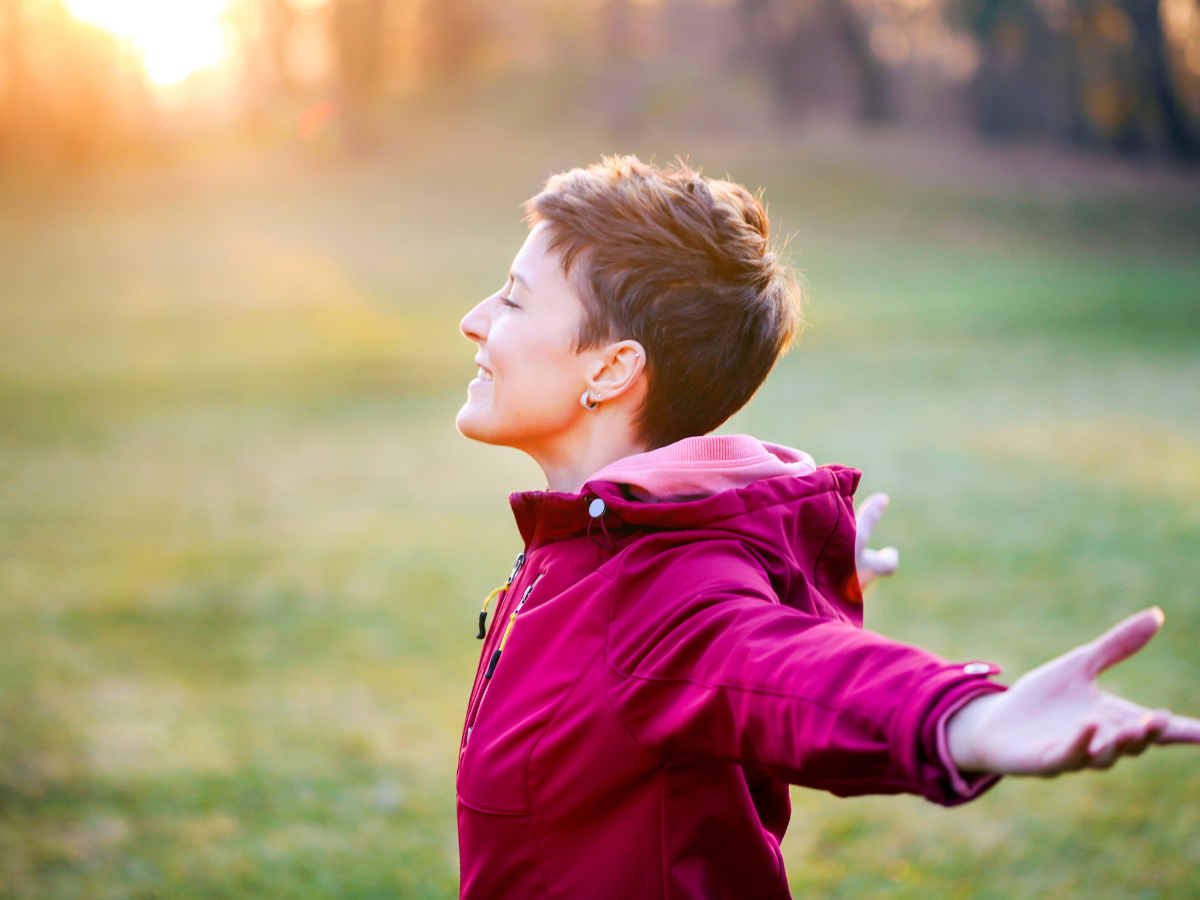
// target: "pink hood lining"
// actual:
[[702, 466]]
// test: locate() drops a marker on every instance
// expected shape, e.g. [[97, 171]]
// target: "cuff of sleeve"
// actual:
[[926, 754], [963, 787]]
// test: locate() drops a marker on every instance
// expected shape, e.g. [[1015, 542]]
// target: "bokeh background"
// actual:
[[242, 546]]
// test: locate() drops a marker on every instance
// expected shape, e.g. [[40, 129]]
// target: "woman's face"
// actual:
[[530, 377]]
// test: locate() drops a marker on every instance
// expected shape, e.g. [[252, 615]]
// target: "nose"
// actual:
[[474, 324]]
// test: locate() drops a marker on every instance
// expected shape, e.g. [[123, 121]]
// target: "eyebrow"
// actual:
[[518, 277]]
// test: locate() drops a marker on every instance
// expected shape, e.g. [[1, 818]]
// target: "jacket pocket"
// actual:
[[500, 730], [553, 641]]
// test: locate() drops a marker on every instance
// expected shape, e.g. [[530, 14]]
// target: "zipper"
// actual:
[[481, 683], [512, 620], [520, 561]]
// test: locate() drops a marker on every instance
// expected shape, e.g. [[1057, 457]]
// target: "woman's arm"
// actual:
[[704, 662], [1056, 719]]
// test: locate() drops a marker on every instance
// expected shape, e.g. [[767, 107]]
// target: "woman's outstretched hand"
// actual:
[[872, 564], [1056, 719]]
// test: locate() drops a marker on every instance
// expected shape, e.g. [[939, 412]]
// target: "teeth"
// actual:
[[484, 375]]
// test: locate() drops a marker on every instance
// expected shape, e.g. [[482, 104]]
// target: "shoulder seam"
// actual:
[[820, 556]]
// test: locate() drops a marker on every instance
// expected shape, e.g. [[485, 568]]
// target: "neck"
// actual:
[[571, 460]]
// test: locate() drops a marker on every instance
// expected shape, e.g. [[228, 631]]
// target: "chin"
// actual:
[[472, 424], [465, 423]]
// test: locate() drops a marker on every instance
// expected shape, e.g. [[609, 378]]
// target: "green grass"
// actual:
[[241, 544]]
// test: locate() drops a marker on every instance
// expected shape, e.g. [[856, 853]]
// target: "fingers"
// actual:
[[1121, 641], [1130, 740], [882, 562], [872, 564], [1101, 741], [1158, 727], [1180, 730], [866, 518], [1073, 758]]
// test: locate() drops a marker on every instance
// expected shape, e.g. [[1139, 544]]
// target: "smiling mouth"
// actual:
[[484, 375]]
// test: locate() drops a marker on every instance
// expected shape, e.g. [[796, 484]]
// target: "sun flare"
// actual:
[[174, 37]]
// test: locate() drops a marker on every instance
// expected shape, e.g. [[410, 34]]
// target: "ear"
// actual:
[[616, 369]]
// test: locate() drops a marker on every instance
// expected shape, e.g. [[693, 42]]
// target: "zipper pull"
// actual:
[[497, 592], [517, 563], [483, 612], [512, 620]]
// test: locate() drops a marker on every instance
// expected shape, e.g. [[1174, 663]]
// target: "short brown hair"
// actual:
[[684, 265]]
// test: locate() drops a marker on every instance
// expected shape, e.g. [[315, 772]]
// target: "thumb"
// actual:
[[1122, 641], [869, 512], [880, 562]]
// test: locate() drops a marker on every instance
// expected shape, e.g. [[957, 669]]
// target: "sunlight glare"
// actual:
[[174, 37]]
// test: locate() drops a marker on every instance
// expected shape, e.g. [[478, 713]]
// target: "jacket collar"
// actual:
[[544, 517]]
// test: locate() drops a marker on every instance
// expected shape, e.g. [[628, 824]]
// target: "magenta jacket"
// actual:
[[669, 669]]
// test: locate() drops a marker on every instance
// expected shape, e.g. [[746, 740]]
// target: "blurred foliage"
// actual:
[[242, 546], [68, 91], [1115, 75]]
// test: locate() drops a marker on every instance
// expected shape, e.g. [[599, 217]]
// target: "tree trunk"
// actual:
[[872, 78], [1154, 71], [358, 40]]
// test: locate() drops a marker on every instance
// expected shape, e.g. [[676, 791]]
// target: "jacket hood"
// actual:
[[702, 466]]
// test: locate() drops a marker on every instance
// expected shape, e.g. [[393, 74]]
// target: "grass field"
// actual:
[[242, 546]]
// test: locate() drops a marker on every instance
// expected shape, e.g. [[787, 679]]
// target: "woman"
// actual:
[[681, 637]]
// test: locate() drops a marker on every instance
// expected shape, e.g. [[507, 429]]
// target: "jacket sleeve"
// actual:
[[705, 665]]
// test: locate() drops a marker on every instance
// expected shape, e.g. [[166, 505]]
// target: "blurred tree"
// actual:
[[1155, 81], [872, 79], [71, 91], [13, 49], [278, 20], [356, 37], [1123, 75], [356, 29], [455, 32], [1085, 71], [803, 46], [622, 87], [1025, 84], [265, 28]]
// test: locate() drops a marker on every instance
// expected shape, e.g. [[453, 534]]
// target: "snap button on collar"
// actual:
[[976, 668], [596, 508]]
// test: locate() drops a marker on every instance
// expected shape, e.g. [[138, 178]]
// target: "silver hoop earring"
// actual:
[[583, 401]]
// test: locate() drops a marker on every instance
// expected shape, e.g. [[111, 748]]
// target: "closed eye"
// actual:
[[508, 301]]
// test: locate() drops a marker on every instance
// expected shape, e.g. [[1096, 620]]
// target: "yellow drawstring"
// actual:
[[483, 613], [520, 561], [512, 620], [508, 629], [493, 595]]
